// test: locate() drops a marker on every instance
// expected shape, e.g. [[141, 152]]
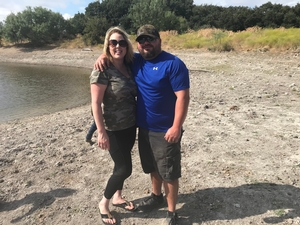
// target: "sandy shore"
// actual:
[[240, 164]]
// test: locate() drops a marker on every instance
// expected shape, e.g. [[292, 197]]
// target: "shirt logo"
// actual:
[[155, 68]]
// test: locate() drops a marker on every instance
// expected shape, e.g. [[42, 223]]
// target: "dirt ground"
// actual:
[[240, 150]]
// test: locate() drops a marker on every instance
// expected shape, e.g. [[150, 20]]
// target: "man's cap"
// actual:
[[147, 30]]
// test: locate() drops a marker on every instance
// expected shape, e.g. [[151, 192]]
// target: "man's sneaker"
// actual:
[[171, 219], [154, 201]]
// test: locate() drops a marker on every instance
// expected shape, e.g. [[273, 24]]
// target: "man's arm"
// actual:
[[102, 63], [181, 109]]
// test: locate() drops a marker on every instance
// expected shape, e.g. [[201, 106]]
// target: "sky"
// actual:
[[67, 8]]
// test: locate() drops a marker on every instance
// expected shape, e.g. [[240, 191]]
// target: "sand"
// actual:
[[240, 150]]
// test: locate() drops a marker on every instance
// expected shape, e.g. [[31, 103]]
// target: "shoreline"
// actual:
[[51, 57], [48, 56], [86, 58]]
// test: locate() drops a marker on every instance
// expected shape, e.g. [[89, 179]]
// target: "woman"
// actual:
[[113, 94]]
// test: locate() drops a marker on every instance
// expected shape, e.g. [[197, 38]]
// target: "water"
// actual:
[[32, 90]]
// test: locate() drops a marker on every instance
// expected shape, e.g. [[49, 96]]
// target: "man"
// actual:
[[162, 104]]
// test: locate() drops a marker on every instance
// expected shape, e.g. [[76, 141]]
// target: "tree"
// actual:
[[157, 13], [11, 30], [173, 22], [1, 33], [42, 26], [272, 15], [206, 16], [234, 18], [116, 12], [181, 8], [290, 20], [78, 23], [38, 26], [296, 11], [254, 18], [95, 9], [95, 30], [147, 12]]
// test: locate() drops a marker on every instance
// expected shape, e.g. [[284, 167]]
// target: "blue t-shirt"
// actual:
[[157, 80]]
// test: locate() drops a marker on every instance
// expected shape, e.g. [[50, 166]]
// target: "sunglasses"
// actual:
[[144, 39], [114, 43]]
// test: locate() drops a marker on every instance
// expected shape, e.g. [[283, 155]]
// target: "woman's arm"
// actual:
[[97, 94]]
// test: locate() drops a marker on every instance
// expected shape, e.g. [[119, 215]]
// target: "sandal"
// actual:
[[107, 216], [124, 204]]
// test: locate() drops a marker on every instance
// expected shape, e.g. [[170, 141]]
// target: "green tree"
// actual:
[[11, 30], [206, 16], [234, 18], [42, 26], [290, 19], [78, 23], [1, 33], [147, 12], [254, 18], [38, 26], [296, 10], [116, 11], [173, 22], [272, 14], [95, 9], [181, 8], [95, 30]]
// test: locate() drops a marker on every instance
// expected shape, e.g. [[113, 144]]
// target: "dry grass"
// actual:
[[252, 39]]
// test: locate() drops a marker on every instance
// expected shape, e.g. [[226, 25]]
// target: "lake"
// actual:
[[32, 90]]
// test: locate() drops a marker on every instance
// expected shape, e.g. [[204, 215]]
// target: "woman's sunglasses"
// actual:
[[122, 43], [142, 40]]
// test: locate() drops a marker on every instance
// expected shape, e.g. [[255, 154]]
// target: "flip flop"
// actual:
[[124, 204], [107, 216]]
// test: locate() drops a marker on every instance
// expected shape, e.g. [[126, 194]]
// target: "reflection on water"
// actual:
[[31, 90]]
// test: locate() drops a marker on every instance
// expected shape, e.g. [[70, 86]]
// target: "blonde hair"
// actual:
[[129, 53]]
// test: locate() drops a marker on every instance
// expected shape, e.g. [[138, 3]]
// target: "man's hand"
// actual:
[[102, 63], [173, 135]]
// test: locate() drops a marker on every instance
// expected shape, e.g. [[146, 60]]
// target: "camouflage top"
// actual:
[[119, 101]]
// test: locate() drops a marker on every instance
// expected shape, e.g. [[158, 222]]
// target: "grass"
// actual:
[[279, 212], [252, 39]]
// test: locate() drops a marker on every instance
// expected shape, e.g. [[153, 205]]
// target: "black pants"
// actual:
[[121, 143]]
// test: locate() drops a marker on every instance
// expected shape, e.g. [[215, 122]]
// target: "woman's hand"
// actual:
[[103, 141]]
